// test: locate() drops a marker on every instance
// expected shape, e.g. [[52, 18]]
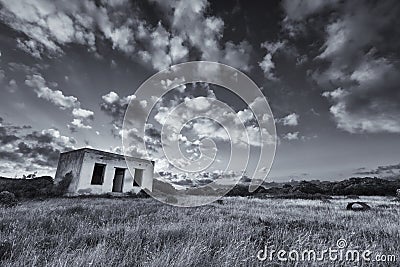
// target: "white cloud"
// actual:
[[79, 124], [39, 84], [237, 55], [273, 47], [290, 120], [82, 113], [48, 26], [371, 105], [110, 97], [268, 66], [115, 106], [54, 96], [246, 115], [207, 127], [123, 38], [31, 47], [61, 27], [178, 50], [190, 22], [361, 79], [291, 136], [61, 140]]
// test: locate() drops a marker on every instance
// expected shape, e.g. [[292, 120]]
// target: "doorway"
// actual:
[[118, 182], [137, 181]]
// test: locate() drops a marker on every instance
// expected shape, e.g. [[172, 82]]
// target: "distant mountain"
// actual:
[[366, 186]]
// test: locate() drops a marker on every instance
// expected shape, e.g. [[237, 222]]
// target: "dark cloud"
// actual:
[[362, 68], [298, 10], [6, 137], [10, 156], [30, 150], [152, 138], [381, 170], [40, 137]]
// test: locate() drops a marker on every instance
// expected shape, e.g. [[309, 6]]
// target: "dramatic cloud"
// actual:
[[207, 128], [190, 24], [163, 49], [48, 26], [82, 116], [56, 97], [356, 66], [24, 150], [371, 104]]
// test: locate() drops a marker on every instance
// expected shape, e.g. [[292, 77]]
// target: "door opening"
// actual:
[[118, 182], [137, 181]]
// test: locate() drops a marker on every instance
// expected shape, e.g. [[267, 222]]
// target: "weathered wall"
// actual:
[[69, 162], [112, 161], [148, 171]]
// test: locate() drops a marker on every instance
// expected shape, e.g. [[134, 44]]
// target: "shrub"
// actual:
[[28, 188], [140, 194], [7, 199], [62, 187]]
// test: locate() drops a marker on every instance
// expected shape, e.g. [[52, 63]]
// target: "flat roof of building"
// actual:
[[87, 149]]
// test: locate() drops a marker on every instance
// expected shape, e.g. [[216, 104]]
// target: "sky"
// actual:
[[329, 70]]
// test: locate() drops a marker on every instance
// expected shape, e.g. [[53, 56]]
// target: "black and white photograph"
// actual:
[[199, 133]]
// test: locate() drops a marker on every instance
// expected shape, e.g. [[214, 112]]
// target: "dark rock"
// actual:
[[359, 206]]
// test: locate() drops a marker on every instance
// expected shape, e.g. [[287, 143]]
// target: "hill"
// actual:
[[27, 188]]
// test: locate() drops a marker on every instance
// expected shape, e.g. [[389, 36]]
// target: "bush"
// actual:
[[7, 199], [28, 188], [62, 187], [140, 194]]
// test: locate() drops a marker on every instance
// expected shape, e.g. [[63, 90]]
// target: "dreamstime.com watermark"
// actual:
[[339, 253]]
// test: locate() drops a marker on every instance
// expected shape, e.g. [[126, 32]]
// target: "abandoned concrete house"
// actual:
[[97, 172]]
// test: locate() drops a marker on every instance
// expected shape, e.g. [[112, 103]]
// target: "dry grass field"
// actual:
[[144, 232]]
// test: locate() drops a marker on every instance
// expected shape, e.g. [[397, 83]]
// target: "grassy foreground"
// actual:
[[144, 232]]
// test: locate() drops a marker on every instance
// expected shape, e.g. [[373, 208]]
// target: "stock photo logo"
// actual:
[[202, 146]]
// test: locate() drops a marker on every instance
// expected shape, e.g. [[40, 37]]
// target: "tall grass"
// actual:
[[144, 232]]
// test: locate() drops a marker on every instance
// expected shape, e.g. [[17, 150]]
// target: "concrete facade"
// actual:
[[98, 172]]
